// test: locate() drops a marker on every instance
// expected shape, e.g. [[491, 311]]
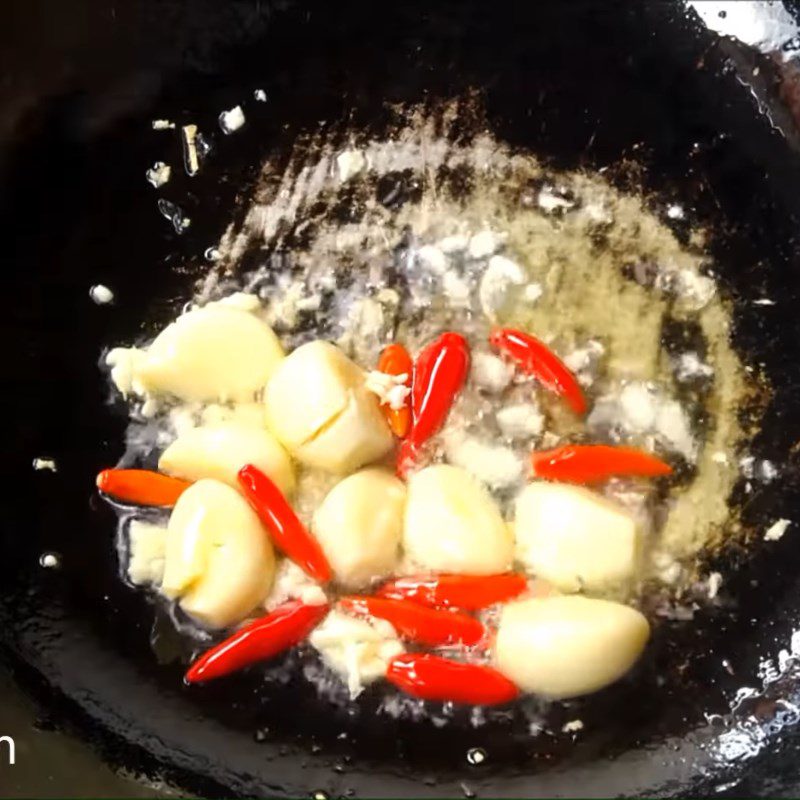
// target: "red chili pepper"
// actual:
[[470, 592], [433, 678], [426, 626], [537, 359], [141, 486], [262, 639], [591, 463], [286, 530], [439, 373], [395, 360]]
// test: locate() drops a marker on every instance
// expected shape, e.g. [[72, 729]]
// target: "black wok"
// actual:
[[581, 84]]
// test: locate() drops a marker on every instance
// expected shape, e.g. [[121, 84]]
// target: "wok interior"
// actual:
[[578, 84]]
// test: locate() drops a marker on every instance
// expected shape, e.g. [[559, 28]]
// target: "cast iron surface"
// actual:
[[581, 84]]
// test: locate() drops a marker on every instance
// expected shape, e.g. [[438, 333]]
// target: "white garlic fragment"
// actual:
[[349, 163], [502, 275], [433, 259], [292, 583], [359, 650], [360, 524], [147, 544], [575, 538], [521, 421], [566, 646], [219, 563], [220, 451], [158, 174], [453, 525], [490, 372], [230, 121], [493, 464], [484, 243]]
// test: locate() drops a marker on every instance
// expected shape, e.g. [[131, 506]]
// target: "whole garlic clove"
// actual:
[[453, 525], [214, 353], [220, 451], [359, 525], [219, 562], [575, 538], [566, 646]]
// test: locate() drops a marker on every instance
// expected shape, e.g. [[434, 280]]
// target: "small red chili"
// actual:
[[141, 486], [286, 530], [536, 358], [395, 360], [417, 623], [433, 678], [262, 639], [592, 463], [469, 592], [439, 373]]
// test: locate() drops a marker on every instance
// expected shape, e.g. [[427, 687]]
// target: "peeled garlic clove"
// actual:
[[575, 538], [568, 645], [219, 561], [359, 525], [216, 353], [309, 389], [220, 451], [453, 525], [358, 436]]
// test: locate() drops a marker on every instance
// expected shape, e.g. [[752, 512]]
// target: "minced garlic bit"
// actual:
[[125, 363], [521, 421], [532, 292], [357, 649], [689, 366], [776, 530], [641, 409], [190, 158], [231, 121], [549, 201], [147, 551], [695, 290], [714, 583], [260, 96], [497, 466], [455, 243], [456, 290], [349, 163], [433, 259], [500, 276], [162, 125], [44, 463], [291, 583], [158, 174], [49, 560], [490, 372], [676, 211], [573, 726], [101, 294], [390, 389], [484, 244]]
